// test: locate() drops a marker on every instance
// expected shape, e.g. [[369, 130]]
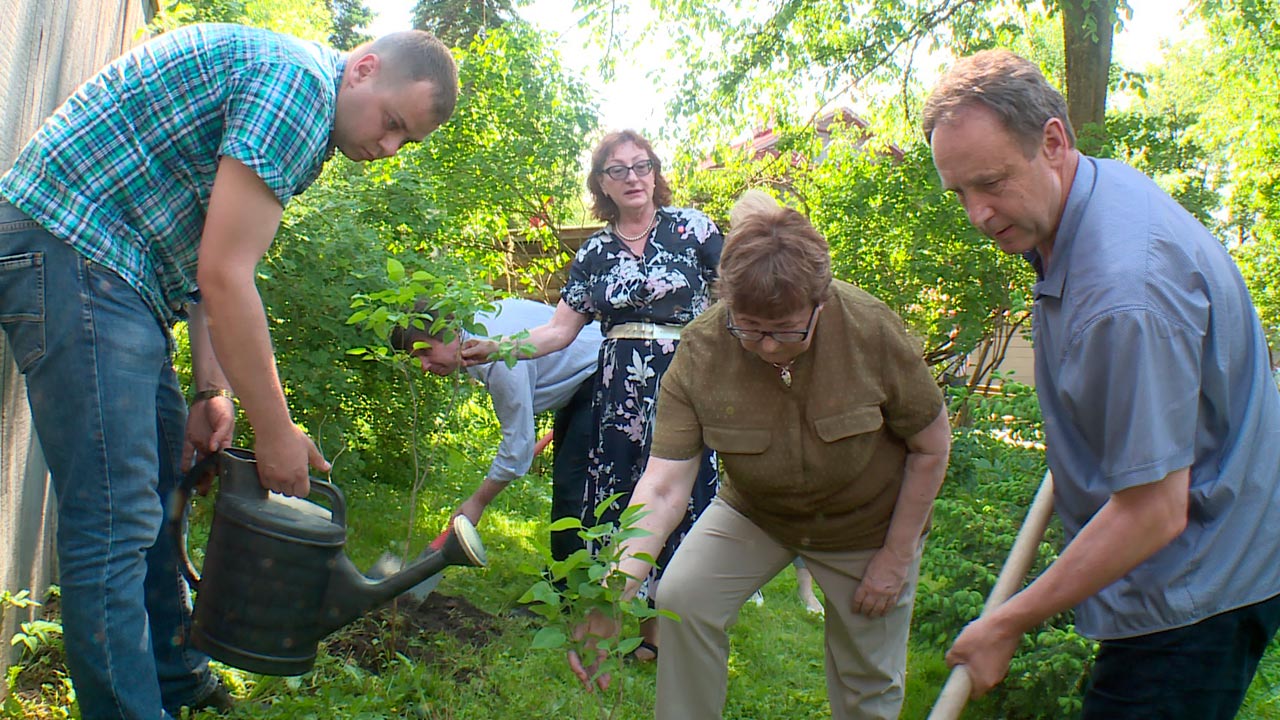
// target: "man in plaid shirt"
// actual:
[[153, 191]]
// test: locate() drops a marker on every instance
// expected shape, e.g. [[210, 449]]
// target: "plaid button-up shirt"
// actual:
[[123, 170]]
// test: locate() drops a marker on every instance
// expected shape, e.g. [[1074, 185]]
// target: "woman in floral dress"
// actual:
[[644, 276]]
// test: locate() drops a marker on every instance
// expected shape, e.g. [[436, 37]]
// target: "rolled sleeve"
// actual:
[[1130, 383]]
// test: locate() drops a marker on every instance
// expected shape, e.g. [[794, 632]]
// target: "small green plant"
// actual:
[[581, 586], [38, 683], [21, 601]]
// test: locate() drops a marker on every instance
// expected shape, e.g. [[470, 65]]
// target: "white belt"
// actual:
[[644, 331]]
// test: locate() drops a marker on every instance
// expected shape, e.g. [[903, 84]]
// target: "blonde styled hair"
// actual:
[[774, 262]]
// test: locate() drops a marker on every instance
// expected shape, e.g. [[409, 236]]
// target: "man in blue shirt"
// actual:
[[156, 188], [562, 381], [1162, 425]]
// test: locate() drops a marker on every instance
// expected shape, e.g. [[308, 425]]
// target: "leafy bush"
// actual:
[[996, 465]]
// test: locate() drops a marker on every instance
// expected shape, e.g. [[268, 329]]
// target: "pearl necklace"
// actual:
[[784, 372], [644, 233]]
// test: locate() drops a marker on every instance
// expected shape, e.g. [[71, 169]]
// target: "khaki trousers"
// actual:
[[726, 558]]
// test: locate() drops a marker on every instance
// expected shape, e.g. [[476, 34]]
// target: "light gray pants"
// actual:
[[726, 558]]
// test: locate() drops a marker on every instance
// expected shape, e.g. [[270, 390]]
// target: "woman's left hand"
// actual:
[[595, 628], [881, 583]]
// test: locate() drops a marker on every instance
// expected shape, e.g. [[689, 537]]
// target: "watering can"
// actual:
[[275, 578]]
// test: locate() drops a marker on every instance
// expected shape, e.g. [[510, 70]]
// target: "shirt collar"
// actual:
[[1052, 282], [340, 66]]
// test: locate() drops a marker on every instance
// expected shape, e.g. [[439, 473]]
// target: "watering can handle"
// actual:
[[179, 506]]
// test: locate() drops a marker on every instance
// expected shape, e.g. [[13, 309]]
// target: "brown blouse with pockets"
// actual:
[[818, 464]]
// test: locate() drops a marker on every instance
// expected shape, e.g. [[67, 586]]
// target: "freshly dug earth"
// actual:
[[412, 629]]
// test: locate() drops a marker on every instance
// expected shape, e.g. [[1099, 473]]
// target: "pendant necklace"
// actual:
[[784, 372]]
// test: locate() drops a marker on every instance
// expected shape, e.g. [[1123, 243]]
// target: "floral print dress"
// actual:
[[670, 285]]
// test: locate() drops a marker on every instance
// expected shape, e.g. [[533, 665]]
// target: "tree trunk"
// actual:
[[1086, 36]]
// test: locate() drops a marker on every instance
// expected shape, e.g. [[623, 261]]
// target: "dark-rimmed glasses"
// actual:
[[782, 336], [620, 172]]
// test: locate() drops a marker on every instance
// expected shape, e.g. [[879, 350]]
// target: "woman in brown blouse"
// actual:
[[834, 439]]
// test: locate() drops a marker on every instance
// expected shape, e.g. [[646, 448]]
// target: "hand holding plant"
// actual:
[[590, 604]]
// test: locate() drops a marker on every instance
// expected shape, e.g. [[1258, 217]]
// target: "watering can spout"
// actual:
[[351, 593]]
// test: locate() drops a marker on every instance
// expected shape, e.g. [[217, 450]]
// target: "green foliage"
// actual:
[[996, 464], [38, 682], [348, 17], [306, 19], [458, 22], [446, 207], [893, 232], [570, 590]]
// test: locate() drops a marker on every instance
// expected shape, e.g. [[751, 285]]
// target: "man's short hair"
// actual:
[[417, 55], [1009, 86], [403, 339]]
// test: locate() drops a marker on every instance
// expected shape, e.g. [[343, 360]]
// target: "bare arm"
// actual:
[[926, 466], [206, 372], [664, 491], [556, 334], [1131, 527], [211, 421], [241, 224]]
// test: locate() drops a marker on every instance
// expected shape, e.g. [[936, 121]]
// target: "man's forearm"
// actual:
[[237, 328], [206, 371], [1131, 527]]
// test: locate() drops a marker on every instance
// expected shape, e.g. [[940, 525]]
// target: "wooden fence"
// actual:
[[47, 48]]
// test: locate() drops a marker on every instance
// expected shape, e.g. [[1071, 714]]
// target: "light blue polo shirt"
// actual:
[[1150, 358]]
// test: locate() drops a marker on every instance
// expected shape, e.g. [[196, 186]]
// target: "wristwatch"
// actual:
[[217, 392]]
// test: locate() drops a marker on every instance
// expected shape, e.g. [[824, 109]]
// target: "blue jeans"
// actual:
[[1198, 672], [110, 417]]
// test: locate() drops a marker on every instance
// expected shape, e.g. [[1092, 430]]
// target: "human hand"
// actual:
[[477, 351], [283, 455], [881, 584], [211, 424], [595, 628], [985, 648]]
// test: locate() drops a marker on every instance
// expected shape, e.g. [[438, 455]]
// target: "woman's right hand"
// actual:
[[477, 351], [595, 628]]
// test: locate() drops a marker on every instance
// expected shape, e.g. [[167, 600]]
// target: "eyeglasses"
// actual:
[[620, 172], [782, 336]]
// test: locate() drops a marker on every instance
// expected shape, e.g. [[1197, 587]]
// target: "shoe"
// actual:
[[644, 645], [218, 700], [757, 598]]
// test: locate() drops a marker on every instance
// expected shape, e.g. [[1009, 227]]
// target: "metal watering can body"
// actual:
[[275, 578]]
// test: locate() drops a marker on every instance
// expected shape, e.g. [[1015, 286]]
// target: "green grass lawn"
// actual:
[[776, 666]]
